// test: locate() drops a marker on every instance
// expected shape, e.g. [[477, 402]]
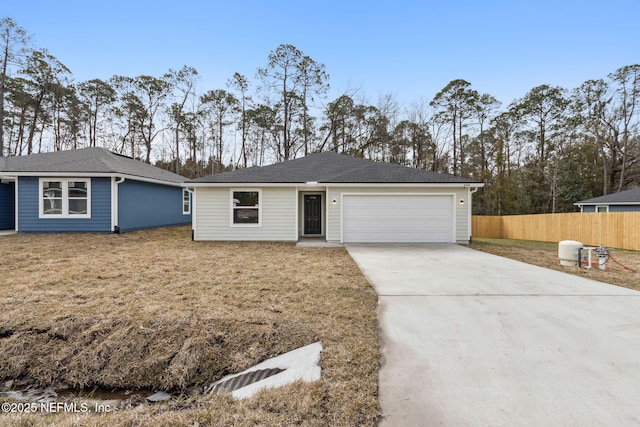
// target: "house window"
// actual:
[[245, 207], [186, 202], [602, 208], [65, 198]]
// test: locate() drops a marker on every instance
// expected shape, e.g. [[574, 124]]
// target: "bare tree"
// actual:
[[312, 79], [542, 112], [220, 106], [241, 84], [592, 105], [13, 39], [96, 95], [484, 109], [294, 78], [183, 83], [627, 89], [455, 103], [338, 126], [280, 75], [43, 73], [423, 147], [141, 99]]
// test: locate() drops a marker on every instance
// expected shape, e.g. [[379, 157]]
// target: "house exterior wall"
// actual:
[[147, 205], [624, 208], [334, 212], [212, 221], [28, 209], [612, 208], [7, 206]]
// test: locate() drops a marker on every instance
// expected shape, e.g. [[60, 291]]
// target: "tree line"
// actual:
[[541, 153]]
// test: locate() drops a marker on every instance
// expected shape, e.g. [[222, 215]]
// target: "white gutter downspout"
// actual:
[[15, 203], [193, 210], [115, 226]]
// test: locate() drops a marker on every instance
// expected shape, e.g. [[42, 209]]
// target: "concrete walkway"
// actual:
[[472, 339]]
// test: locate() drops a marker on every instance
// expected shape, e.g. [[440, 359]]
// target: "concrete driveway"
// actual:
[[473, 339]]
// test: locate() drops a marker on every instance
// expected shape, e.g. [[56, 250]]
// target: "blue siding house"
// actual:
[[88, 190], [622, 201]]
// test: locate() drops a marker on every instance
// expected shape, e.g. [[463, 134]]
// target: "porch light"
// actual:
[[461, 202], [334, 201]]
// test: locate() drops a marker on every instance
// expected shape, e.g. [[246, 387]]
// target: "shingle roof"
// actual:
[[628, 196], [329, 167], [86, 161]]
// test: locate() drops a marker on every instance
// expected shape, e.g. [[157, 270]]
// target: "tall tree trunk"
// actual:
[[455, 147], [2, 83], [285, 125], [244, 134], [34, 124]]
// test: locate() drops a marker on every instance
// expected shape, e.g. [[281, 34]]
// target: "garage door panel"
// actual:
[[391, 218]]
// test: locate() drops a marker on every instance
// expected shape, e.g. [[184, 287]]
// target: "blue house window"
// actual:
[[65, 198]]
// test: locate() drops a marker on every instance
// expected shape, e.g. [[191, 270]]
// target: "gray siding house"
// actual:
[[623, 201], [333, 197], [88, 190]]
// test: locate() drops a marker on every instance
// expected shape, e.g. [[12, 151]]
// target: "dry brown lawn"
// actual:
[[152, 309], [625, 272]]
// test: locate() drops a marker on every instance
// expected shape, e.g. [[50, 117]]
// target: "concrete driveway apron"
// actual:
[[473, 339]]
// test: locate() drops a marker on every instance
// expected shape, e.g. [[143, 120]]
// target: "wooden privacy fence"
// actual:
[[616, 229]]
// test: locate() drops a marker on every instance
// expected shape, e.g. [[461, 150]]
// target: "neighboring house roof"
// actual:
[[93, 160], [332, 168], [628, 197]]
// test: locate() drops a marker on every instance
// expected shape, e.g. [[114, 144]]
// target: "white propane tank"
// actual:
[[568, 252]]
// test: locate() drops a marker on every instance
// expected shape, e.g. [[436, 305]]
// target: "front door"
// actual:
[[312, 214]]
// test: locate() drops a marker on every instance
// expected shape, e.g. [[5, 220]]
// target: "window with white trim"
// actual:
[[245, 207], [602, 208], [186, 202], [65, 198]]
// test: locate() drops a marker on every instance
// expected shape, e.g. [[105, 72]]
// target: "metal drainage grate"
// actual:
[[243, 380]]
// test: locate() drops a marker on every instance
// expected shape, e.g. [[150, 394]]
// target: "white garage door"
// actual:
[[399, 219]]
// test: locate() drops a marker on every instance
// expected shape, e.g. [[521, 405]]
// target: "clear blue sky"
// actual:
[[410, 49]]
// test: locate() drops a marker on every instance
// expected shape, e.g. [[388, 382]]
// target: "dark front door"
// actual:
[[312, 214]]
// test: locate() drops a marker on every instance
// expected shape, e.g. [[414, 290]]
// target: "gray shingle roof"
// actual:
[[628, 196], [85, 161], [329, 167]]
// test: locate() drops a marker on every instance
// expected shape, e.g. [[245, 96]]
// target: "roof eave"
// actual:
[[242, 184], [150, 180], [606, 203], [64, 174], [334, 184], [405, 184], [94, 175]]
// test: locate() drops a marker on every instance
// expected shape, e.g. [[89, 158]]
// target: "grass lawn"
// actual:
[[545, 254], [154, 310]]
